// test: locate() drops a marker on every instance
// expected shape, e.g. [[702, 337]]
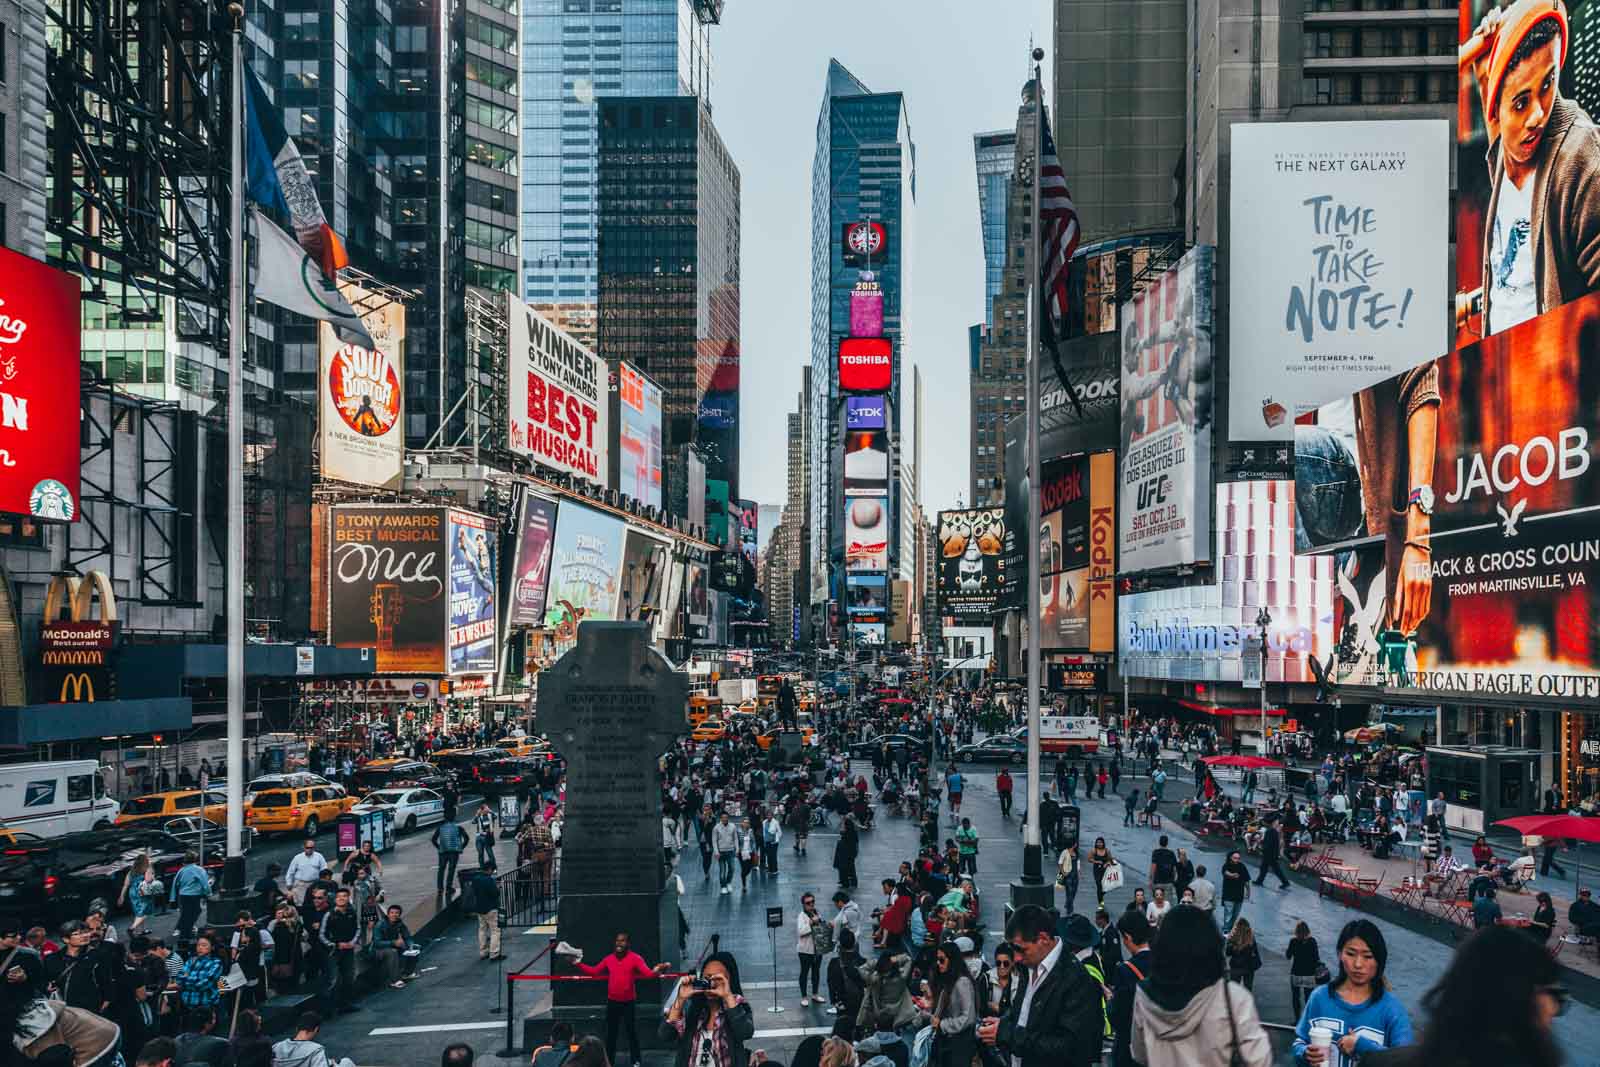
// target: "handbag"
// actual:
[[1235, 1057], [1322, 974]]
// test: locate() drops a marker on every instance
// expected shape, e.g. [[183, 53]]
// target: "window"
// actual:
[[185, 803], [494, 238], [495, 36], [501, 119], [492, 156], [492, 75]]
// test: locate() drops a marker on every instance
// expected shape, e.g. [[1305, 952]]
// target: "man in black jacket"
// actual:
[[1271, 848], [340, 935], [1055, 1021], [1135, 931]]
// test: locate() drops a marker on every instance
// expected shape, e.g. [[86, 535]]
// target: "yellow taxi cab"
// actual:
[[764, 740], [702, 707], [20, 840], [307, 809], [156, 807], [710, 730], [522, 746]]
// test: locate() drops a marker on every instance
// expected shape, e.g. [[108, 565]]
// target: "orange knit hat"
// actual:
[[1519, 19]]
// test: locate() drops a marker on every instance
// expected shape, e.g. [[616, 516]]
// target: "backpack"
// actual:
[[821, 936]]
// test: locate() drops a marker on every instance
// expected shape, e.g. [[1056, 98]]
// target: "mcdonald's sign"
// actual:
[[77, 639], [77, 687]]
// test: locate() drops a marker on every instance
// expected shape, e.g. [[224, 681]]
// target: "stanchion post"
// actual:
[[511, 1049], [774, 920]]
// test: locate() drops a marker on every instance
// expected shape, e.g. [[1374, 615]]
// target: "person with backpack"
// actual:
[[846, 988], [1135, 932], [449, 839], [813, 940], [1082, 939], [480, 896], [560, 1048]]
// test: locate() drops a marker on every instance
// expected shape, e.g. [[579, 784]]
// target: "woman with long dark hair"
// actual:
[[1187, 1014], [1503, 1021], [954, 1007], [1099, 859], [1356, 1007], [710, 1025]]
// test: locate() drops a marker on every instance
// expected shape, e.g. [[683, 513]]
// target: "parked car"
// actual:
[[865, 748], [412, 807], [710, 730], [193, 831], [509, 775], [999, 748], [460, 763], [56, 882], [291, 811]]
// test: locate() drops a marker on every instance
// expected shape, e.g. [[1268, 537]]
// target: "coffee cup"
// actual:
[[1320, 1037]]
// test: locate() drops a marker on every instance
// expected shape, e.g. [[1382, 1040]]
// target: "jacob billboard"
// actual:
[[386, 584], [556, 397], [40, 328], [362, 437], [972, 563], [1468, 489], [1344, 282], [1166, 419]]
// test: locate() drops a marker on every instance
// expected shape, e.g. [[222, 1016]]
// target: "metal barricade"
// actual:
[[530, 894]]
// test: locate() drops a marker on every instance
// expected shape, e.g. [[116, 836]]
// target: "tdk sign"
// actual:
[[864, 413]]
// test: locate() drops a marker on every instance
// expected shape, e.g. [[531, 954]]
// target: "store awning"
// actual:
[[38, 724], [1222, 712]]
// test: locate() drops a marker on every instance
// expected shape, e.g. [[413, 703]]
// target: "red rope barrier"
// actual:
[[585, 977]]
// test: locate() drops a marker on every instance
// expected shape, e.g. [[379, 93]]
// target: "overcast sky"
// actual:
[[961, 65]]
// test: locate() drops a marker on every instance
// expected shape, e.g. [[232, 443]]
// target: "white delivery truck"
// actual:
[[735, 691], [51, 799]]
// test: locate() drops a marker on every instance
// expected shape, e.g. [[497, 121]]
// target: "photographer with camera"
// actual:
[[710, 1015]]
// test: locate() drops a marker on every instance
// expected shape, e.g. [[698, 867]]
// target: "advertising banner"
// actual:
[[868, 634], [863, 242], [866, 310], [864, 412], [1090, 364], [1075, 677], [386, 585], [1064, 610], [866, 364], [530, 574], [719, 411], [868, 597], [697, 593], [638, 436], [866, 463], [1064, 515], [866, 534], [1483, 584], [472, 593], [972, 562], [585, 566], [749, 529], [644, 575], [1102, 552], [1344, 231], [40, 328], [557, 397], [1166, 419], [361, 436], [1200, 632]]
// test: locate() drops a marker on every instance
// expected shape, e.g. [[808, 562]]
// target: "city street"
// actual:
[[458, 999]]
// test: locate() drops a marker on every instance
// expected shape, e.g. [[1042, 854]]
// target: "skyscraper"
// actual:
[[668, 255], [864, 168], [999, 351], [995, 154], [575, 53]]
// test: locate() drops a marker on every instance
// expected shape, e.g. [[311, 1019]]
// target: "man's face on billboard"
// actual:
[[1526, 98]]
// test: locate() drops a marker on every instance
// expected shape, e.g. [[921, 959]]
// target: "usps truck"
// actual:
[[51, 799]]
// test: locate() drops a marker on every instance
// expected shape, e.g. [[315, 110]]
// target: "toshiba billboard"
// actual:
[[866, 364]]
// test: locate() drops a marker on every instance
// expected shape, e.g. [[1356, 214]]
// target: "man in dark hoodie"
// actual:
[[1125, 979]]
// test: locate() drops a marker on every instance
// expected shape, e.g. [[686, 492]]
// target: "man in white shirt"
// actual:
[[1205, 892], [306, 867]]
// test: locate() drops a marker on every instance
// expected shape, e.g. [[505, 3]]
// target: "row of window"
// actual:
[[1403, 88], [1375, 43], [491, 33]]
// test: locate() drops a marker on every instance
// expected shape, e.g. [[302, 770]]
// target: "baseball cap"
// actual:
[[965, 945]]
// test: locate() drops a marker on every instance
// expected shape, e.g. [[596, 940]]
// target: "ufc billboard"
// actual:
[[866, 364]]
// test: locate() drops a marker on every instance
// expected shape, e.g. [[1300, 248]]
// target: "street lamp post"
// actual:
[[1264, 620]]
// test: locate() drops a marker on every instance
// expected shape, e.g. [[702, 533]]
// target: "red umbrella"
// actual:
[[1573, 827], [1252, 762]]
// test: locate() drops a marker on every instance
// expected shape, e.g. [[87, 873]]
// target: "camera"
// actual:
[[700, 985]]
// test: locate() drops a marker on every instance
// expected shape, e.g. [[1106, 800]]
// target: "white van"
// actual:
[[51, 799]]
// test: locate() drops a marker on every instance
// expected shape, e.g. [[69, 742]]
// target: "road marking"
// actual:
[[795, 1031], [396, 1031]]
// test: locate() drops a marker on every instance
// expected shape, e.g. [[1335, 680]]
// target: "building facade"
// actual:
[[22, 131], [864, 168], [574, 54], [1120, 87], [668, 255]]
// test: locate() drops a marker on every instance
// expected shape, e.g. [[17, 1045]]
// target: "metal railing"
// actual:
[[530, 894]]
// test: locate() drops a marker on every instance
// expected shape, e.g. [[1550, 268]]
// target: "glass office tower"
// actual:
[[575, 52], [994, 153]]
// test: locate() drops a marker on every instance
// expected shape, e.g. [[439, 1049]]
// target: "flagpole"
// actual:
[[233, 870], [1031, 889]]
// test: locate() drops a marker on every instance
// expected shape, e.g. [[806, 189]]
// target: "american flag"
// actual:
[[1058, 234]]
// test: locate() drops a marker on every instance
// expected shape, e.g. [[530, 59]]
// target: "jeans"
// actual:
[[485, 848], [621, 1012], [769, 857], [1072, 891], [339, 992], [725, 868], [810, 964], [969, 863], [1270, 864], [447, 871], [1005, 805], [1230, 912], [1327, 486], [188, 915]]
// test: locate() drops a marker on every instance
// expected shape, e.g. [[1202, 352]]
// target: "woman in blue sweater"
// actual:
[[1357, 1006]]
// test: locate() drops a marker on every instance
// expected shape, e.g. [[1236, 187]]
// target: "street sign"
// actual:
[[1250, 664], [774, 918]]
